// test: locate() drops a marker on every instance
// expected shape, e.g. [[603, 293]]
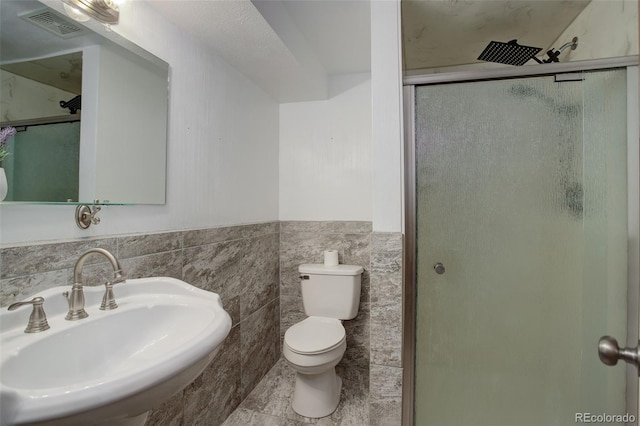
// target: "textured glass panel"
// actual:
[[605, 231], [44, 163], [507, 203]]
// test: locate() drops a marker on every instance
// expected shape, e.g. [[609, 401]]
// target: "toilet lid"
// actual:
[[314, 335]]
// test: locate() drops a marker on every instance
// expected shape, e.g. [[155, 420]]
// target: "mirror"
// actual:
[[91, 115]]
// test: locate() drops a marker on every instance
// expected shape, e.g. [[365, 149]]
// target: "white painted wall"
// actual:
[[386, 115], [325, 154], [222, 165], [223, 150], [89, 125]]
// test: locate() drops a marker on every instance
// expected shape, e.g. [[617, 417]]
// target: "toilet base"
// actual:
[[316, 395]]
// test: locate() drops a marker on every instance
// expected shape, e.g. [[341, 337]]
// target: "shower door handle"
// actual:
[[609, 352]]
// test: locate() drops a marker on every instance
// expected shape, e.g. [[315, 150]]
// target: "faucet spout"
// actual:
[[117, 269], [76, 298]]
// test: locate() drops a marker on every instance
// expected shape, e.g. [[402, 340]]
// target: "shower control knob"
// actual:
[[439, 268]]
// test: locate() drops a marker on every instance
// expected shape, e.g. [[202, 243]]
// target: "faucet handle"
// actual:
[[108, 300], [37, 319], [118, 277]]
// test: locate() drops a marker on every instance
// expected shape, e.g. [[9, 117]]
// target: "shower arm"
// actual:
[[553, 55], [573, 44]]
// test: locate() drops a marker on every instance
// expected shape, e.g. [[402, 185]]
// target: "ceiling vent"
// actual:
[[53, 22]]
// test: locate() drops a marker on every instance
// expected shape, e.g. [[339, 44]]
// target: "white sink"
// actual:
[[113, 366]]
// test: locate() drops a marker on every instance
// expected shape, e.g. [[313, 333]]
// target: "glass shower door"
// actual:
[[521, 249]]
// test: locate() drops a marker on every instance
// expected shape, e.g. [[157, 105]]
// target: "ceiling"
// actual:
[[63, 71], [451, 33], [291, 48], [19, 38], [287, 47]]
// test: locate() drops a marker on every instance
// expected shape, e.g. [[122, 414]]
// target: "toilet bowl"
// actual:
[[313, 348]]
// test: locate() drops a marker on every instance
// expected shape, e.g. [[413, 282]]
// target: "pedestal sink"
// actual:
[[114, 366]]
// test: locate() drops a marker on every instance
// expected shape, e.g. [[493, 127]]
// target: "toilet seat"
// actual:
[[315, 335]]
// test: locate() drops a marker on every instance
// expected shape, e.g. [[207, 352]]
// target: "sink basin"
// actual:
[[113, 365]]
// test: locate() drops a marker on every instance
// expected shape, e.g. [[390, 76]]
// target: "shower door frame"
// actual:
[[633, 164]]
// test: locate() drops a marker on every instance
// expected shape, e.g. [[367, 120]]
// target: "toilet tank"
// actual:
[[331, 291]]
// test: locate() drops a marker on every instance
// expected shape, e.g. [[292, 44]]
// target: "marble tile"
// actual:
[[272, 396], [353, 408], [259, 345], [95, 274], [243, 417], [232, 306], [246, 269], [140, 245], [198, 237], [213, 396], [292, 288], [327, 227], [357, 250], [357, 329], [240, 417], [386, 325], [215, 267], [308, 247], [166, 264], [386, 299], [304, 247], [32, 259], [169, 413], [260, 274], [20, 288], [365, 290], [386, 252], [385, 395]]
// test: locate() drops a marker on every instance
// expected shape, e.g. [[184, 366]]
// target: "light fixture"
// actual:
[[75, 14], [105, 11]]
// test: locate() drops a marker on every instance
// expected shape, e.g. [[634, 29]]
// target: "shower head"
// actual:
[[73, 104], [510, 53]]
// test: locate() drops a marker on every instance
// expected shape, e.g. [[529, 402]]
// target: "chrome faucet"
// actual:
[[76, 300]]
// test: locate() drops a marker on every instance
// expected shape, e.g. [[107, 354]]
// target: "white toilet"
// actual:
[[315, 345]]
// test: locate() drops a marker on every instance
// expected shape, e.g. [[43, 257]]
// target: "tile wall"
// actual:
[[254, 269], [385, 399], [240, 263]]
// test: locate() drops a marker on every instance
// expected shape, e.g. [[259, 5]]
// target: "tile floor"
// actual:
[[269, 404]]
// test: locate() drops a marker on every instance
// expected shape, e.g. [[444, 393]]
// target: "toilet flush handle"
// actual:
[[304, 277], [439, 268]]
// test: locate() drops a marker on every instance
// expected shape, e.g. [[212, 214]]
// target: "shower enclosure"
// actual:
[[523, 197]]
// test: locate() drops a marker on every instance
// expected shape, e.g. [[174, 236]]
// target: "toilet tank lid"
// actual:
[[320, 269]]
